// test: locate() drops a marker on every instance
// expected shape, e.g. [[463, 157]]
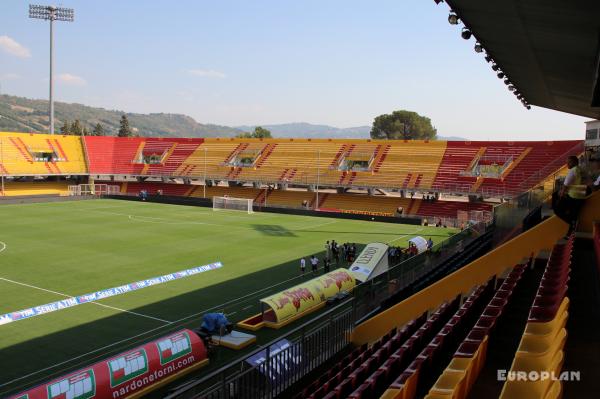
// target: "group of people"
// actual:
[[314, 264], [399, 254], [333, 253], [345, 252], [143, 194]]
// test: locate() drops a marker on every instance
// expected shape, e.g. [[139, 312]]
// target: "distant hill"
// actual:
[[307, 130], [23, 114]]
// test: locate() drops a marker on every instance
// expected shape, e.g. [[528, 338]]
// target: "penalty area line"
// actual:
[[93, 303], [2, 246]]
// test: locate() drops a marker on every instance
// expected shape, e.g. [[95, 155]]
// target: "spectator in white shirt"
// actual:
[[572, 194]]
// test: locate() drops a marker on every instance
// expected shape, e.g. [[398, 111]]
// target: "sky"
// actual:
[[335, 62]]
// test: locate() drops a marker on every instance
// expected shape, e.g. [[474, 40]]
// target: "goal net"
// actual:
[[235, 204], [93, 189]]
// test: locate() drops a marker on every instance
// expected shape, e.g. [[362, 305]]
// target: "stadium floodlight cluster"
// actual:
[[51, 13]]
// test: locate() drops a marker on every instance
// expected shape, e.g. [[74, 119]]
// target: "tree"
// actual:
[[76, 128], [65, 129], [124, 129], [403, 125], [98, 130], [261, 133], [258, 133]]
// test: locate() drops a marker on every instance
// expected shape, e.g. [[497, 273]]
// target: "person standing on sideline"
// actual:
[[302, 265], [314, 261], [325, 265], [327, 249]]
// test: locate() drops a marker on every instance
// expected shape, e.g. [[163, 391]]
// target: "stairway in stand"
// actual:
[[322, 198], [265, 154], [382, 158]]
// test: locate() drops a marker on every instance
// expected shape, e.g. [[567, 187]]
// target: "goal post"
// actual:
[[234, 204]]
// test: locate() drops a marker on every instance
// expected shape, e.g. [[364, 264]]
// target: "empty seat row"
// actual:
[[459, 376], [385, 357], [541, 347], [418, 376]]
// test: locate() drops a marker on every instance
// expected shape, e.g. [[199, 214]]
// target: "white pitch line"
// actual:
[[171, 324], [129, 311], [406, 235], [3, 246], [315, 226], [248, 307], [136, 218], [93, 303]]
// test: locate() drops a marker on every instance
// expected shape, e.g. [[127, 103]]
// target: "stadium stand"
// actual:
[[376, 204], [408, 165], [447, 363], [541, 346], [28, 154], [106, 157], [211, 158], [219, 191], [35, 188], [449, 209], [138, 156], [527, 163], [379, 204], [403, 165], [289, 198]]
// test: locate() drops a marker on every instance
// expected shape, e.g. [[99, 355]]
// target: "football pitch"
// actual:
[[53, 251]]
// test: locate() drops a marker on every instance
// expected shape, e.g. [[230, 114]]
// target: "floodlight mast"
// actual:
[[51, 14]]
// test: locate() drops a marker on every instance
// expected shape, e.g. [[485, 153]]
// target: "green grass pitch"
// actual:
[[50, 250]]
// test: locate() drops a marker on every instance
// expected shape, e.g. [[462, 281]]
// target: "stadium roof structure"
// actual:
[[548, 49]]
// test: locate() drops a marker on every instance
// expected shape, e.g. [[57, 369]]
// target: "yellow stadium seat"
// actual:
[[12, 189], [392, 394], [555, 391], [519, 389], [434, 395], [536, 363], [28, 154], [451, 384], [545, 328], [541, 346]]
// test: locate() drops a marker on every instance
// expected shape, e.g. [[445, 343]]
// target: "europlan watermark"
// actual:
[[506, 375]]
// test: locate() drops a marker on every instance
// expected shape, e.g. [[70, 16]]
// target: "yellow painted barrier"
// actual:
[[542, 236], [589, 213], [296, 300]]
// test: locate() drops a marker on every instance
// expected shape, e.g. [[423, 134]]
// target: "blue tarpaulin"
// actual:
[[212, 322]]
